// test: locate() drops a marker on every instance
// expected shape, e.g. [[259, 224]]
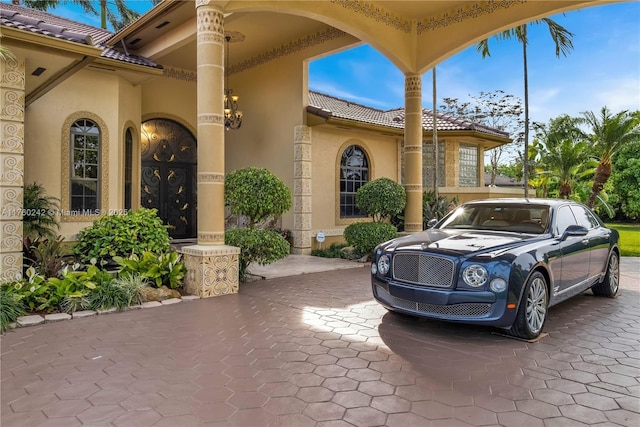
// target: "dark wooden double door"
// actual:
[[168, 175]]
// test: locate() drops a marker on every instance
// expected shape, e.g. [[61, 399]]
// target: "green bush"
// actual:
[[39, 213], [10, 308], [164, 269], [365, 236], [333, 251], [381, 199], [110, 294], [256, 245], [134, 284], [123, 235], [257, 194]]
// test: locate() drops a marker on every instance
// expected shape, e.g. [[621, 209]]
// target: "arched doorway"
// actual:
[[168, 175]]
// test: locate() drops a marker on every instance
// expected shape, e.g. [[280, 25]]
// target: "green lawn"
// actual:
[[629, 238]]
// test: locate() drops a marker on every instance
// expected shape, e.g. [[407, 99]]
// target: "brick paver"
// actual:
[[317, 350]]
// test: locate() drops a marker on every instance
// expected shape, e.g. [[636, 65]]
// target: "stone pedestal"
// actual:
[[211, 270]]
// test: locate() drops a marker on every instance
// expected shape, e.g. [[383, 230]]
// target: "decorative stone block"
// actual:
[[12, 137], [56, 317], [211, 270], [10, 266], [11, 203], [30, 320], [12, 170], [83, 313], [151, 304], [10, 236]]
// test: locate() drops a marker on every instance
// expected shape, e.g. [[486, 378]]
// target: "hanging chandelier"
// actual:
[[232, 116]]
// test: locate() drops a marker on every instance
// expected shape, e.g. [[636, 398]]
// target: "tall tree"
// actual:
[[562, 39], [607, 134], [116, 12]]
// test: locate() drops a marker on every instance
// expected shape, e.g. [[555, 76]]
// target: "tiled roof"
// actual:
[[392, 118], [46, 24]]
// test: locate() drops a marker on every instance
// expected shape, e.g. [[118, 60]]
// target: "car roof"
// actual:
[[522, 201]]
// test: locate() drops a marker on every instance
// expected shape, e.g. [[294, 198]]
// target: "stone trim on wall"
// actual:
[[65, 203], [302, 214], [12, 84]]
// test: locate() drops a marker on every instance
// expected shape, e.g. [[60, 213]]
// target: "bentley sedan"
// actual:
[[498, 262]]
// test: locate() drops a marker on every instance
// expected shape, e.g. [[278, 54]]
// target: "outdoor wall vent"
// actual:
[[162, 25], [38, 71], [134, 41]]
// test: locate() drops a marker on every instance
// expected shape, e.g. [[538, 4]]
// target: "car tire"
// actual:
[[611, 282], [532, 311]]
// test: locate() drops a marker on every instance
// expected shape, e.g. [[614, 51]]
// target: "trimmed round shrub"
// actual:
[[257, 194], [256, 245], [381, 199], [365, 236], [123, 235]]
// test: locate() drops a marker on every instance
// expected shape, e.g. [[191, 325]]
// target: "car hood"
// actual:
[[458, 242]]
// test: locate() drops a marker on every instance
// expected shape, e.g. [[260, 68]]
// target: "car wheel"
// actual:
[[532, 312], [609, 285]]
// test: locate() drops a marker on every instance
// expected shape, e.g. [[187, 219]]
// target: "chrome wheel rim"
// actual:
[[614, 274], [536, 305]]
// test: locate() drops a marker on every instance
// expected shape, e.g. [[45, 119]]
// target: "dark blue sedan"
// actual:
[[499, 262]]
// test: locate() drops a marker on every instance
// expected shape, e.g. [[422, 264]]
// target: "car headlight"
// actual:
[[384, 263], [475, 275]]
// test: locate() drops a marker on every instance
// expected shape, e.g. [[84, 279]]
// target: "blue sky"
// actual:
[[602, 70]]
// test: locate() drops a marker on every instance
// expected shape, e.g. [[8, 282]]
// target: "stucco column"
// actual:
[[302, 190], [413, 152], [11, 167], [212, 266]]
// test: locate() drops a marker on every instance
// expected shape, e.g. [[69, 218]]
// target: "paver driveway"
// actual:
[[317, 350]]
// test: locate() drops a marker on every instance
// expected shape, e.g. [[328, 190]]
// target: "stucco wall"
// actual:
[[327, 147], [111, 99]]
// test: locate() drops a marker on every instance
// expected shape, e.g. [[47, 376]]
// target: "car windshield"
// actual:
[[531, 219]]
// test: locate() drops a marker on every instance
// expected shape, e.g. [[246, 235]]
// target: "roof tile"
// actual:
[[394, 118], [46, 24]]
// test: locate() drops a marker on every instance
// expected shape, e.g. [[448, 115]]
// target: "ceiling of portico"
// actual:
[[414, 35]]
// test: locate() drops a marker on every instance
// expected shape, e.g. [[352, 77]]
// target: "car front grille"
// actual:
[[423, 270], [472, 309]]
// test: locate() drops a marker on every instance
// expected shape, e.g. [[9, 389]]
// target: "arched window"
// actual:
[[128, 167], [85, 141], [354, 173]]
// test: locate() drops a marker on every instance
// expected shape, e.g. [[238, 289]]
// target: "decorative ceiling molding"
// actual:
[[377, 13], [289, 49], [180, 74], [468, 12], [458, 15]]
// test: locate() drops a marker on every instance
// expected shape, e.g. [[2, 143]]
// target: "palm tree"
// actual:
[[118, 19], [6, 54], [562, 39], [608, 133]]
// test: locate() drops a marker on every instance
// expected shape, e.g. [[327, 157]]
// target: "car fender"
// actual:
[[522, 269]]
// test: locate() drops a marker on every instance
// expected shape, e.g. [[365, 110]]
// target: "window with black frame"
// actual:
[[85, 167], [354, 173]]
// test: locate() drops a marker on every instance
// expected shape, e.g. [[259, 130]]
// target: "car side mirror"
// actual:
[[432, 222], [574, 230]]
